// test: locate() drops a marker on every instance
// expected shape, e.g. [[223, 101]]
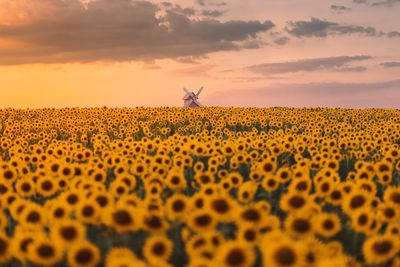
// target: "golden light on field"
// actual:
[[199, 187]]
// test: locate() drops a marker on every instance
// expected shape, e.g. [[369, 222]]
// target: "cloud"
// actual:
[[201, 2], [281, 40], [351, 69], [213, 13], [390, 64], [339, 9], [314, 64], [387, 3], [385, 94], [61, 31], [393, 34], [322, 28]]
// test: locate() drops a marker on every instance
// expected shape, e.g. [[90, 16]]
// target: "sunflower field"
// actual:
[[198, 187]]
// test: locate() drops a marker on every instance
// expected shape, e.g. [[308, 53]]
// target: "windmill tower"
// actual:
[[190, 99]]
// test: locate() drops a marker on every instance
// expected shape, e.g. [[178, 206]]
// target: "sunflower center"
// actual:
[[33, 217], [159, 249], [301, 225], [45, 251], [69, 233], [382, 247], [178, 205], [88, 211], [328, 224], [122, 217], [84, 256], [251, 215], [220, 205], [357, 202], [235, 257], [296, 202], [47, 185], [102, 201], [285, 256]]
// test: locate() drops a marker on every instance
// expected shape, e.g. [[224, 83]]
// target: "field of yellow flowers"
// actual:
[[225, 187]]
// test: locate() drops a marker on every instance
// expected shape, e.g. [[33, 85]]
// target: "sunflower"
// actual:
[[57, 212], [328, 224], [221, 207], [301, 185], [312, 251], [270, 183], [83, 254], [235, 178], [123, 218], [246, 191], [267, 167], [201, 220], [157, 248], [22, 239], [282, 253], [177, 206], [44, 252], [204, 178], [324, 187], [235, 254], [67, 233], [335, 197], [355, 200], [361, 220], [293, 201], [250, 213], [392, 194], [197, 201], [33, 215], [8, 175], [46, 186], [5, 251], [248, 234], [87, 211], [388, 212], [380, 248], [299, 226], [72, 198], [25, 187]]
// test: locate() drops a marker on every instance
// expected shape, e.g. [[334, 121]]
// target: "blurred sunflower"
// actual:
[[380, 248], [235, 254], [44, 252], [157, 248], [83, 254]]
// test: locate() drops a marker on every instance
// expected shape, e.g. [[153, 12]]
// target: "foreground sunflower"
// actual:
[[4, 248], [68, 232], [380, 248], [123, 218], [157, 248], [235, 254], [83, 254], [44, 252], [282, 253]]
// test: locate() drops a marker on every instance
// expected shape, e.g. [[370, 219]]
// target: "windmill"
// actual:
[[190, 99]]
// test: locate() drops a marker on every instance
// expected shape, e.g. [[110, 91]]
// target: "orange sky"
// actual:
[[264, 53]]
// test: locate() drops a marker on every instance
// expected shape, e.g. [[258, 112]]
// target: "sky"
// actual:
[[256, 53]]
